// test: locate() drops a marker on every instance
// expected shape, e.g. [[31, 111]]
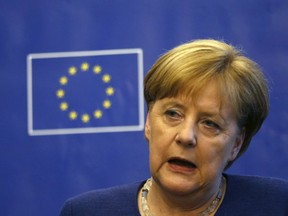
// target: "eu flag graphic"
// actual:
[[85, 92]]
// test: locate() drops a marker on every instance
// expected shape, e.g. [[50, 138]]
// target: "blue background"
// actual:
[[39, 172]]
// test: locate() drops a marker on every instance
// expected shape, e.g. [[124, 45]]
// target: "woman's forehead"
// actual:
[[209, 94], [193, 90]]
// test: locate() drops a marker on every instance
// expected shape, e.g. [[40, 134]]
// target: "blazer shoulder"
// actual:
[[254, 195], [109, 201], [259, 183]]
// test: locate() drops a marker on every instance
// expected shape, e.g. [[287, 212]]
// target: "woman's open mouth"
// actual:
[[181, 165]]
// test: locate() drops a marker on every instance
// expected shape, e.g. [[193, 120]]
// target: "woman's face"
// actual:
[[191, 141]]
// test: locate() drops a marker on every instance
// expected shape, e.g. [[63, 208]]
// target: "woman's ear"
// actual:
[[237, 145], [147, 130]]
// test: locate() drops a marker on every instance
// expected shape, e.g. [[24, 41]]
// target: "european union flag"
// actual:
[[85, 92]]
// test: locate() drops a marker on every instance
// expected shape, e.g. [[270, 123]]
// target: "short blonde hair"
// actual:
[[187, 68]]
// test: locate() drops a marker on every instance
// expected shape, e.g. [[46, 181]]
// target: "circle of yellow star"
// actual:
[[72, 71], [97, 69], [110, 91], [98, 114], [64, 106], [60, 93], [73, 115], [106, 78], [84, 66], [107, 104], [85, 118]]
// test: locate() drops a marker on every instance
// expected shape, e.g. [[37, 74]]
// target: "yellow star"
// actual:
[[97, 69], [73, 115], [84, 66], [63, 80], [107, 104], [98, 114], [106, 78], [72, 71], [85, 118], [64, 106], [110, 91], [60, 93]]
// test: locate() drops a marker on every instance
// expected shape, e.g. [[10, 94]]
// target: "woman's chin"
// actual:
[[179, 186]]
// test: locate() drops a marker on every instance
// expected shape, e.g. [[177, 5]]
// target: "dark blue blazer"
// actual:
[[245, 196]]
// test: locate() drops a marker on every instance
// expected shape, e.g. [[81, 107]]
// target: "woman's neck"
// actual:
[[202, 202]]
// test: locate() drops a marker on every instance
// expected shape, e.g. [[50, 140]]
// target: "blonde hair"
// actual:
[[187, 68]]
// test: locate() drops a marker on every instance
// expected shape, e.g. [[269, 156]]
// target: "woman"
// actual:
[[205, 103]]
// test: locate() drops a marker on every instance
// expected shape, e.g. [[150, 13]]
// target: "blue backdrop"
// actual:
[[40, 41]]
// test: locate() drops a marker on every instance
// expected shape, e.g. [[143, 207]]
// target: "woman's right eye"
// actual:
[[173, 114]]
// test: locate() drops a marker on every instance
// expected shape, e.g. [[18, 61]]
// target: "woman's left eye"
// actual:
[[211, 124]]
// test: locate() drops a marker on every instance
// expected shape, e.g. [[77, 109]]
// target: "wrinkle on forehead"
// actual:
[[211, 89]]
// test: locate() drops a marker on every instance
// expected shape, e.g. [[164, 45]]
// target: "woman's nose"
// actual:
[[186, 134]]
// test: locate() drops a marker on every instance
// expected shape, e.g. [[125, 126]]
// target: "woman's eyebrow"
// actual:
[[174, 103], [202, 111], [214, 115]]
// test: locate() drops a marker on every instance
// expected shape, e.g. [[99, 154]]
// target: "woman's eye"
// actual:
[[173, 114], [211, 124], [210, 128]]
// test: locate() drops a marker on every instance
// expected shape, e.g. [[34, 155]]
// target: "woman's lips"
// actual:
[[181, 165]]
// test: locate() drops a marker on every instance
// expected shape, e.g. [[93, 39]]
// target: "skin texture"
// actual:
[[190, 142]]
